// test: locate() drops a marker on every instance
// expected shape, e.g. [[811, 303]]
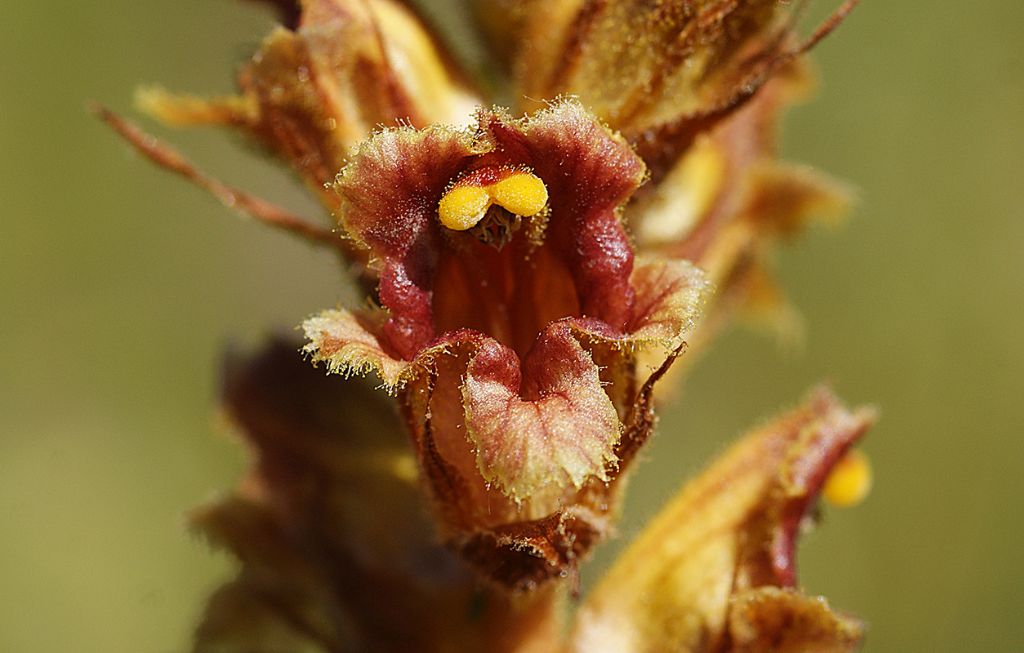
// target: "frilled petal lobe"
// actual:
[[390, 191], [550, 425], [701, 576], [392, 184], [555, 432], [345, 341], [669, 297]]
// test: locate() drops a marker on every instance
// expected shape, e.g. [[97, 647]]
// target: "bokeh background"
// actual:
[[120, 286]]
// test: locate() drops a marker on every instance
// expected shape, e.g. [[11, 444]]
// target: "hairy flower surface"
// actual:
[[514, 358], [532, 273]]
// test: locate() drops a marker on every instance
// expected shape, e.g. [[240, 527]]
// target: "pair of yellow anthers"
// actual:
[[465, 204]]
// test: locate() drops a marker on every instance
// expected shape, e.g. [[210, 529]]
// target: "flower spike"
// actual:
[[531, 283]]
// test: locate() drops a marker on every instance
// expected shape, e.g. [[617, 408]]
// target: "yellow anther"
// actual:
[[850, 480], [463, 207], [521, 193]]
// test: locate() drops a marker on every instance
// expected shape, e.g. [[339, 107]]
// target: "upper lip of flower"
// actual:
[[578, 262]]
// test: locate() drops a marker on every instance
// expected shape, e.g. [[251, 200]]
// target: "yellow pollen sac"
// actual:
[[850, 480], [521, 193], [463, 207]]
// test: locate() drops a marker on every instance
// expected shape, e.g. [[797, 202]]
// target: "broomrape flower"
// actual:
[[535, 272]]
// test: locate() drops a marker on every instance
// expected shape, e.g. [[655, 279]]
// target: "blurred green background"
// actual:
[[121, 285]]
